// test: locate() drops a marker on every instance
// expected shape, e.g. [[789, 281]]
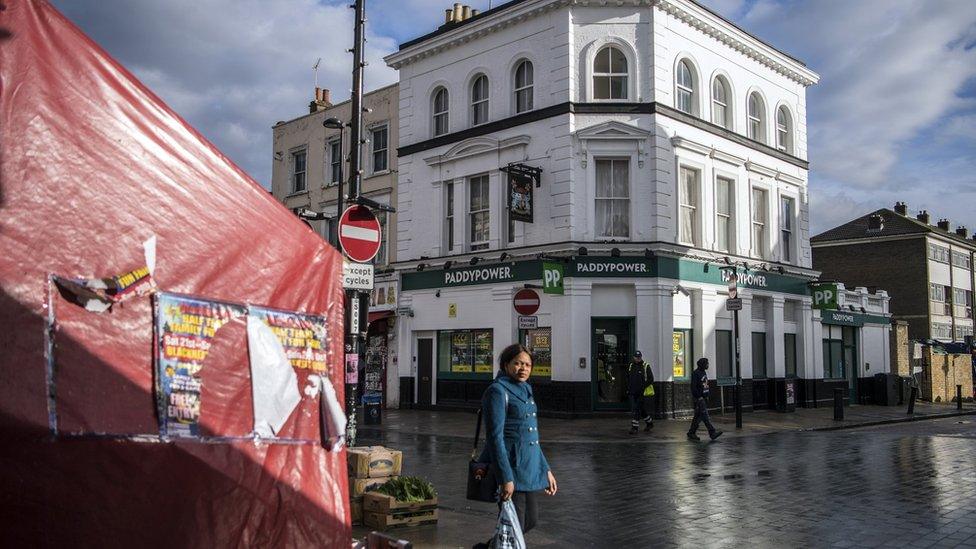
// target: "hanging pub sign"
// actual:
[[521, 179]]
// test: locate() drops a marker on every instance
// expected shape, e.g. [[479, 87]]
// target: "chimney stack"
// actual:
[[901, 208], [322, 101], [923, 216], [944, 224], [459, 13], [962, 231]]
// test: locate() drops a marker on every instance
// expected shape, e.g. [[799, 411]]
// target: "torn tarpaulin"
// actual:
[[274, 384], [99, 294], [332, 420]]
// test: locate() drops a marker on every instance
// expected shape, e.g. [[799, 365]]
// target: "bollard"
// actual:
[[911, 400], [958, 397], [839, 404]]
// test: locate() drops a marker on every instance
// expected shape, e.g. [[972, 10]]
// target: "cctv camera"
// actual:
[[679, 288]]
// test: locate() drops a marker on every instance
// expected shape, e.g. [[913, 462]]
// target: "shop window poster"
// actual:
[[482, 352], [185, 328], [461, 352], [678, 348], [539, 342]]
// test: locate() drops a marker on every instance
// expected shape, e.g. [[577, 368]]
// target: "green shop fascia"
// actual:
[[604, 267]]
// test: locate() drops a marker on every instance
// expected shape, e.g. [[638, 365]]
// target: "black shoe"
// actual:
[[715, 434], [692, 436], [633, 430], [648, 427]]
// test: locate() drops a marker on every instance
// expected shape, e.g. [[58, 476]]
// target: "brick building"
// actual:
[[926, 269]]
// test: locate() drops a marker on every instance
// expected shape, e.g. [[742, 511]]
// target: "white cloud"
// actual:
[[233, 68], [889, 69]]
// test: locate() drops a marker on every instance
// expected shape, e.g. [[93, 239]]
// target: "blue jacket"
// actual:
[[512, 444]]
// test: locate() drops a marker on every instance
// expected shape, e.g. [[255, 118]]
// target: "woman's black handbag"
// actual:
[[482, 485]]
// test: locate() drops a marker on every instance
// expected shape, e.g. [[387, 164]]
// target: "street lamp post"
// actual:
[[737, 390], [336, 124]]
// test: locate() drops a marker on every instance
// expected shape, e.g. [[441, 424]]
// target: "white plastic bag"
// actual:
[[508, 531]]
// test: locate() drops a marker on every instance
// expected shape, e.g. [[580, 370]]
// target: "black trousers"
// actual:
[[701, 416], [527, 509], [640, 409]]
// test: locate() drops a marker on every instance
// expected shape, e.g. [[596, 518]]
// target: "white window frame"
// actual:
[[477, 103], [726, 121], [437, 114], [756, 118], [689, 89], [294, 173], [692, 208], [477, 245], [385, 126], [626, 75], [629, 204], [732, 247], [784, 132], [527, 88], [334, 162], [759, 250], [790, 248], [450, 214], [382, 255]]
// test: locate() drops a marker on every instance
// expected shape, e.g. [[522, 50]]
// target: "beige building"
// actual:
[[308, 162], [307, 159]]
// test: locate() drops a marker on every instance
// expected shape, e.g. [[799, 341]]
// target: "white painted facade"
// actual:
[[571, 133]]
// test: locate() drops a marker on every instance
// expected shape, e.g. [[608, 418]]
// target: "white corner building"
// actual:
[[670, 142]]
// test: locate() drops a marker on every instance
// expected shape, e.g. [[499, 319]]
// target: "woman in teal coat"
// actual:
[[513, 436]]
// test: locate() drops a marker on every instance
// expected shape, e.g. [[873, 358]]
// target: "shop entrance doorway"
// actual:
[[612, 346], [425, 371]]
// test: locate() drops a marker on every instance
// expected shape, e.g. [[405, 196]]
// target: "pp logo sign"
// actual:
[[824, 296], [552, 278]]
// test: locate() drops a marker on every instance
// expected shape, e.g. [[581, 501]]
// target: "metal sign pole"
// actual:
[[352, 329]]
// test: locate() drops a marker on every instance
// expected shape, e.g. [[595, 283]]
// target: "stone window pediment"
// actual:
[[619, 135]]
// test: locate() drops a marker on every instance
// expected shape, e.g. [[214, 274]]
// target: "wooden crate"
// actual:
[[383, 520], [383, 511], [356, 510], [382, 503]]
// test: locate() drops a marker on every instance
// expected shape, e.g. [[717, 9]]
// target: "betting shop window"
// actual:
[[539, 343], [465, 353], [681, 353], [840, 350], [724, 354], [789, 347], [759, 355]]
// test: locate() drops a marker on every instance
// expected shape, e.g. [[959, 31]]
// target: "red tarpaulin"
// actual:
[[92, 164]]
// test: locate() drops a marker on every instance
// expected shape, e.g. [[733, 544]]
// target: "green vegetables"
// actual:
[[408, 489]]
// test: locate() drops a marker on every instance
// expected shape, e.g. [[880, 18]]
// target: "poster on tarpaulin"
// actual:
[[185, 328], [302, 336]]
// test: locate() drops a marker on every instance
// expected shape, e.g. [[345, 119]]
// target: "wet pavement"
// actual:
[[903, 485]]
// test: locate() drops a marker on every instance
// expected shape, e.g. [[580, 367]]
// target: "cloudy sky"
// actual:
[[893, 117]]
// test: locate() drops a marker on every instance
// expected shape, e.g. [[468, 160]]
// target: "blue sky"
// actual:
[[893, 117]]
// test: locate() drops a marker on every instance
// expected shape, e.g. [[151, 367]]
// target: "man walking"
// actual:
[[699, 394], [640, 387]]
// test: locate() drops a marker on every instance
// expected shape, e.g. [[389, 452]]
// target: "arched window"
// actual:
[[479, 100], [610, 74], [440, 110], [757, 123], [684, 84], [523, 86], [721, 113], [784, 130]]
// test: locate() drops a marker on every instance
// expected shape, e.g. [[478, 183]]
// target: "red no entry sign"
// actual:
[[359, 233], [526, 302]]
